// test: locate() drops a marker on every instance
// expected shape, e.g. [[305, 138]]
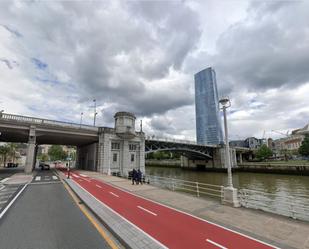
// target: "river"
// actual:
[[285, 185]]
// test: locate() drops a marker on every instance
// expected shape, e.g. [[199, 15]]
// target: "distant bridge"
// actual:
[[36, 131], [188, 148]]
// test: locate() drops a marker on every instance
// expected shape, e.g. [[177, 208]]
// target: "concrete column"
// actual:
[[125, 163], [240, 158], [30, 160]]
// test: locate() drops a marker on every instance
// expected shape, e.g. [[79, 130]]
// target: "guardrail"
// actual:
[[195, 188], [40, 121], [296, 207]]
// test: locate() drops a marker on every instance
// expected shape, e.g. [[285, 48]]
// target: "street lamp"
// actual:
[[225, 102], [95, 111], [230, 193], [81, 118]]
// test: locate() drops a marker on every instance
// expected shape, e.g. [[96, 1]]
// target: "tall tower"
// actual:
[[208, 121]]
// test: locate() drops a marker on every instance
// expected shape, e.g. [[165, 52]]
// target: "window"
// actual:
[[115, 157], [132, 157], [132, 147], [115, 146]]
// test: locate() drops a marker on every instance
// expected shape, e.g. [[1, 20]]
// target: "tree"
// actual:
[[264, 152], [12, 151], [43, 157], [56, 152], [4, 152], [304, 148]]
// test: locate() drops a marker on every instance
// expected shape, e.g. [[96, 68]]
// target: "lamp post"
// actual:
[[95, 111], [225, 102], [230, 193], [81, 118]]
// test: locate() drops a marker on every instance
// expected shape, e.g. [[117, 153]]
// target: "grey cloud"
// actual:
[[268, 49]]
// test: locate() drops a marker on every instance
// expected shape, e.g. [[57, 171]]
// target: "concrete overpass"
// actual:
[[95, 144]]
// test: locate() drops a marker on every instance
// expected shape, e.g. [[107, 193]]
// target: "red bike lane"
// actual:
[[170, 227]]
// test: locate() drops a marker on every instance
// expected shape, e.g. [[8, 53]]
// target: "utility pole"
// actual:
[[95, 111]]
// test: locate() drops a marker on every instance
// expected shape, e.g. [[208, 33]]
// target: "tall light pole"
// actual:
[[225, 102], [81, 118], [95, 111], [230, 193]]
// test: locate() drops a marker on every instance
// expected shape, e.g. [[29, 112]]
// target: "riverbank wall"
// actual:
[[276, 168], [254, 167], [163, 163]]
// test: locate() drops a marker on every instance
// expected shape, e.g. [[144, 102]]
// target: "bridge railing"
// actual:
[[196, 188], [40, 121], [172, 140], [296, 207]]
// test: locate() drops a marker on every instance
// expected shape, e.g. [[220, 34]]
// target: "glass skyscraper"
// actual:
[[208, 121]]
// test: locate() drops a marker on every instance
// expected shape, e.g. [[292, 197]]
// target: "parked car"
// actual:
[[44, 166], [12, 165]]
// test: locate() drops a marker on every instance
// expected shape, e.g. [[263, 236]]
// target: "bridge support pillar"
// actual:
[[31, 151]]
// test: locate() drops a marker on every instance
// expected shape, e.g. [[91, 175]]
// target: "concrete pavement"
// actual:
[[278, 230], [45, 216]]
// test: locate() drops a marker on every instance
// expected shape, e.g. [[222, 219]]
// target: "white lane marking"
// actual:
[[209, 222], [12, 201], [147, 210], [4, 180], [216, 244], [83, 175], [55, 177], [2, 187], [98, 186], [38, 178], [130, 222], [114, 194], [75, 175], [86, 180]]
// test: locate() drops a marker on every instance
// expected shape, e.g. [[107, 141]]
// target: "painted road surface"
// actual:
[[170, 227]]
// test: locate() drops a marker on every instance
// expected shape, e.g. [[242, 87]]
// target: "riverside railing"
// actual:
[[195, 188], [296, 207], [40, 121]]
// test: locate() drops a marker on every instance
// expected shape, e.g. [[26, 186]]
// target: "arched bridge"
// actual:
[[189, 149]]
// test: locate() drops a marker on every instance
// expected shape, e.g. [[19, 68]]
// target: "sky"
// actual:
[[141, 57]]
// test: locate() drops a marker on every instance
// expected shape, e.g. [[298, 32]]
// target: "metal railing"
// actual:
[[40, 121], [296, 207], [181, 141], [195, 188]]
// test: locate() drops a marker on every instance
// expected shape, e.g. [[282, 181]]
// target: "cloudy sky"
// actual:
[[141, 56]]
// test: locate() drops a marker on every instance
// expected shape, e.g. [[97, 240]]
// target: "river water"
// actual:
[[285, 185], [281, 194]]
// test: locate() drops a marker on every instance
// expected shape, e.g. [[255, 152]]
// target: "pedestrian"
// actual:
[[139, 176], [134, 176]]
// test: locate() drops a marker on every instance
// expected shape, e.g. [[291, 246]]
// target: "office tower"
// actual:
[[208, 121]]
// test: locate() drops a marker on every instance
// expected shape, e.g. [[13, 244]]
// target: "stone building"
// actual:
[[119, 150]]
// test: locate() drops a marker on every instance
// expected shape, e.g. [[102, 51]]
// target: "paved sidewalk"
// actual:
[[18, 178], [278, 230]]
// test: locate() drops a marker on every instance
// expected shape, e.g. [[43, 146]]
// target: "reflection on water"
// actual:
[[285, 185]]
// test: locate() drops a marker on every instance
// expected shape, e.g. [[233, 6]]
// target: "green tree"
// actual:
[[56, 152], [12, 151], [264, 152], [4, 152], [43, 157], [304, 148]]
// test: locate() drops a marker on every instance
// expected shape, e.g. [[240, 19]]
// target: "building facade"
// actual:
[[208, 121], [119, 149]]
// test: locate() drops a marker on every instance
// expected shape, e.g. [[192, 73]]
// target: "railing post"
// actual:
[[173, 185], [292, 209], [197, 190]]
